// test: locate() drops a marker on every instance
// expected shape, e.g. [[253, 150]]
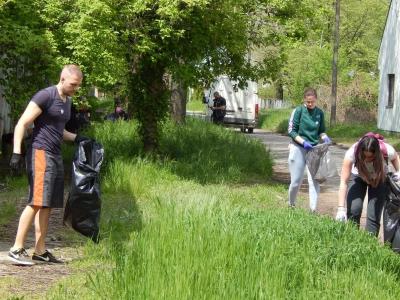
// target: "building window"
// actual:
[[390, 90]]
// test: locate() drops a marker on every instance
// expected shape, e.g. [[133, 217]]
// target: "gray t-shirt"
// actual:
[[50, 124], [369, 165]]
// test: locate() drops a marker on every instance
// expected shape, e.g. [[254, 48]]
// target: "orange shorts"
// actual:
[[46, 179]]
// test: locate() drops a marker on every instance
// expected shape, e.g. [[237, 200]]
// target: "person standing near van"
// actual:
[[306, 128], [365, 166], [219, 108], [49, 110]]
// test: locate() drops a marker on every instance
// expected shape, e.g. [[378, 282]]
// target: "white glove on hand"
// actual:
[[396, 176], [341, 214]]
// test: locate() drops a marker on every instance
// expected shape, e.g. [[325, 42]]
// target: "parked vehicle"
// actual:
[[242, 105]]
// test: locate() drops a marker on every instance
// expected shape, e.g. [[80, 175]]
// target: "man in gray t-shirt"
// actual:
[[48, 111]]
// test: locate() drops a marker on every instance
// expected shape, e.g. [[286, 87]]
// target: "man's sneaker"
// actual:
[[46, 257], [20, 257]]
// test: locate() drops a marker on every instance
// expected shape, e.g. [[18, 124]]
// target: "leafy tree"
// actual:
[[138, 44], [309, 61], [27, 58]]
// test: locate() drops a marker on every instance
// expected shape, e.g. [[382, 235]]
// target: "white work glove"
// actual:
[[341, 214], [396, 176]]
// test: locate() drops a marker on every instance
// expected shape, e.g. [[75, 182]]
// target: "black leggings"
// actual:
[[376, 200]]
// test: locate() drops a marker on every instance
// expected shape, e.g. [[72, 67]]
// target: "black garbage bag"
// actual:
[[391, 215], [83, 207]]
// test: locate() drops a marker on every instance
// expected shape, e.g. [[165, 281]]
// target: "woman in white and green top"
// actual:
[[306, 128], [365, 166]]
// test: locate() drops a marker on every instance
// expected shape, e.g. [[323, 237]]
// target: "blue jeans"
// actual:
[[297, 164], [376, 199]]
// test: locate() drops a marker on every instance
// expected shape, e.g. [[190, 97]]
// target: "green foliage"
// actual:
[[210, 153], [27, 57], [309, 62], [308, 65]]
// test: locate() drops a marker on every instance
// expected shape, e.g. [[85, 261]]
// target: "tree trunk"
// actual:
[[150, 102], [335, 63], [178, 101], [278, 90]]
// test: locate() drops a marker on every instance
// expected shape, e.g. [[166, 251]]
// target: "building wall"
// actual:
[[389, 63]]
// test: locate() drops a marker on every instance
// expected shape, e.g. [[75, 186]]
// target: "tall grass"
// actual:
[[168, 237], [197, 150], [275, 120], [225, 242], [209, 153]]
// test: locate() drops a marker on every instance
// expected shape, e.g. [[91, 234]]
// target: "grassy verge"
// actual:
[[221, 241], [195, 105], [11, 192], [275, 120], [349, 134], [171, 235]]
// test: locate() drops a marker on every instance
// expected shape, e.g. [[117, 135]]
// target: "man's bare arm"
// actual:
[[31, 112]]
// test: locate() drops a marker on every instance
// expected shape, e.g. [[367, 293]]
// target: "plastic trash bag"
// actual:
[[391, 214], [83, 207], [320, 164]]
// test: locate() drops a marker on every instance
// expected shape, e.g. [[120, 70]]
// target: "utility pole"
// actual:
[[335, 63]]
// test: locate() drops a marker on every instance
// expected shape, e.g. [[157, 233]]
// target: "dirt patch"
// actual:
[[32, 282]]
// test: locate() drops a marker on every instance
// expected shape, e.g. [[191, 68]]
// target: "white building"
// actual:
[[389, 72]]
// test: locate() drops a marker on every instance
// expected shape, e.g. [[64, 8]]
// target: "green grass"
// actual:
[[275, 120], [197, 151], [350, 133], [11, 192], [209, 154], [196, 105], [171, 236], [177, 239]]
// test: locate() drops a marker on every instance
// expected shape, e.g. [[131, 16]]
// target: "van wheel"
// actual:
[[250, 130]]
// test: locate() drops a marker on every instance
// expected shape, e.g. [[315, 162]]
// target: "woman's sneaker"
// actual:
[[46, 257], [20, 257]]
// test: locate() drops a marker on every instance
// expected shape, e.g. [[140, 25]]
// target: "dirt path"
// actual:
[[31, 282]]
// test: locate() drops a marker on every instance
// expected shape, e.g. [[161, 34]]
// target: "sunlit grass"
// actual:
[[176, 239], [275, 120], [196, 105], [351, 133], [170, 230]]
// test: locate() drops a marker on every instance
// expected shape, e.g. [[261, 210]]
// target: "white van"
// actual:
[[242, 105]]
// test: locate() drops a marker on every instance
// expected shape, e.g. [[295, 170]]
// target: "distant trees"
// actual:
[[309, 60]]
